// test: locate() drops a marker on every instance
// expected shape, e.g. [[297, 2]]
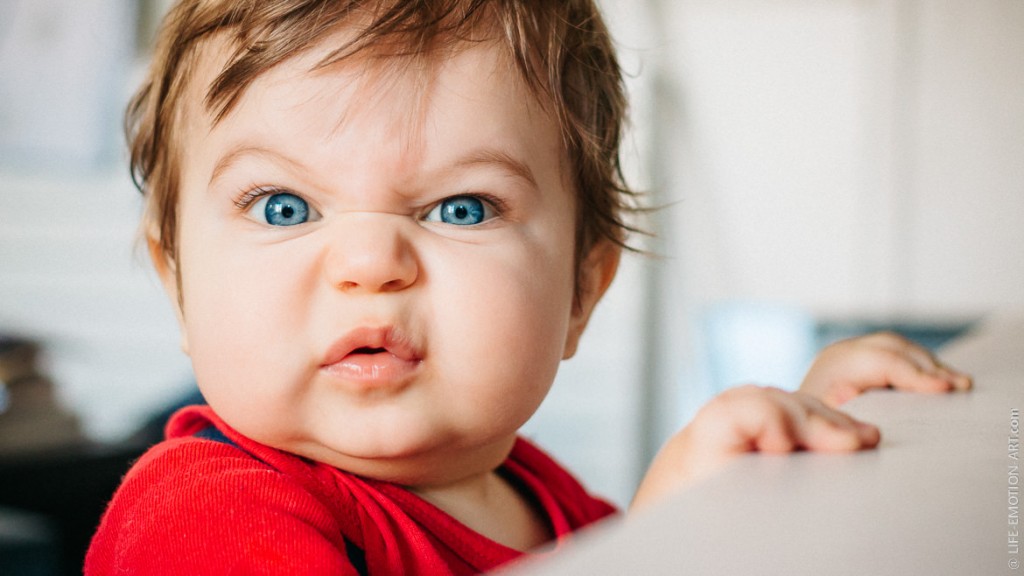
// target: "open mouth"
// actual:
[[368, 350]]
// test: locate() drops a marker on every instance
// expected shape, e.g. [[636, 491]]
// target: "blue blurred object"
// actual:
[[774, 344], [758, 343]]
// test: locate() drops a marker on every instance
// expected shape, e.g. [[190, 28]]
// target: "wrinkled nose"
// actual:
[[372, 253]]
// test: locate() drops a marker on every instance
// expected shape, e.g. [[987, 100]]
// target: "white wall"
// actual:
[[72, 279], [966, 186], [850, 158], [69, 274]]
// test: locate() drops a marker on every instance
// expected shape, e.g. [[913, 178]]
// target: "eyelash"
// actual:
[[499, 205], [250, 195]]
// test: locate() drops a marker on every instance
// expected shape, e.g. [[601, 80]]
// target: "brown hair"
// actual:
[[561, 48]]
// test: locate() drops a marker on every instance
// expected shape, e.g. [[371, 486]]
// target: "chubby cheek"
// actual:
[[502, 325], [242, 336]]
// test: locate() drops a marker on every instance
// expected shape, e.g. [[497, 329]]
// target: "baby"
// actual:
[[383, 225]]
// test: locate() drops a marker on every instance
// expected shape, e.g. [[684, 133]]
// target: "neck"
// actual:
[[492, 506]]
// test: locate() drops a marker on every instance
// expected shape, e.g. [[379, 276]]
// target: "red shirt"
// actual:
[[196, 506]]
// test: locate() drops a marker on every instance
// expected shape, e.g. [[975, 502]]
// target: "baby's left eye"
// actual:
[[461, 211]]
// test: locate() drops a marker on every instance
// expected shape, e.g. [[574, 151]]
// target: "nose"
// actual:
[[372, 253]]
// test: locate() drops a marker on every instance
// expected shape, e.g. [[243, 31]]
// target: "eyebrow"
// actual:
[[235, 154], [483, 156], [500, 158]]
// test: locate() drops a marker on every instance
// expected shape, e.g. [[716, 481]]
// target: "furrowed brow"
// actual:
[[500, 159], [241, 152]]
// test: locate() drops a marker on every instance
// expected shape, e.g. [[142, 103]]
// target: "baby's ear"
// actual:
[[167, 271], [596, 274]]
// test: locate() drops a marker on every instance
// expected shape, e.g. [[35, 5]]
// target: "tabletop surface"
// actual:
[[938, 496]]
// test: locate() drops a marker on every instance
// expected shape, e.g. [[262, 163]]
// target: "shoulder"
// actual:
[[203, 507]]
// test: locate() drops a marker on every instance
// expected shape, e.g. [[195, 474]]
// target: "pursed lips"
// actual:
[[372, 357]]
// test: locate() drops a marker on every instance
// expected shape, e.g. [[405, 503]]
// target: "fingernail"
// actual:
[[869, 433]]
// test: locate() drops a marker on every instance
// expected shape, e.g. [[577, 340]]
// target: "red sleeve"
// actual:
[[198, 507]]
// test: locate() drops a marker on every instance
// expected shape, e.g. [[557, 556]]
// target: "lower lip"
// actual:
[[374, 370]]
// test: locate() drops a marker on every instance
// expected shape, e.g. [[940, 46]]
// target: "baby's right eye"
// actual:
[[282, 209]]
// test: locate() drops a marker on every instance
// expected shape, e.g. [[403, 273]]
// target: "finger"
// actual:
[[746, 418], [838, 432], [959, 380], [774, 421], [795, 421], [904, 374], [842, 392], [777, 433], [749, 418], [913, 352], [926, 362], [920, 356], [825, 429]]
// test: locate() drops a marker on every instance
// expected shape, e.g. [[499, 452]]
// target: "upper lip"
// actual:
[[383, 337]]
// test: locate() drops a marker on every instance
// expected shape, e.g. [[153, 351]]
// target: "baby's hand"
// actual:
[[847, 368], [749, 419]]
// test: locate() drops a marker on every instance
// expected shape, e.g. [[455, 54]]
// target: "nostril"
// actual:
[[394, 285]]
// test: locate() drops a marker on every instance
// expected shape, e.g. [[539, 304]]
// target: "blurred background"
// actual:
[[823, 168]]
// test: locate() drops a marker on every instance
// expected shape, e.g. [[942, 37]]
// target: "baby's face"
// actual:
[[378, 275]]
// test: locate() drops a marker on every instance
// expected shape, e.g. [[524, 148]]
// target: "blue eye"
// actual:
[[461, 211], [283, 209]]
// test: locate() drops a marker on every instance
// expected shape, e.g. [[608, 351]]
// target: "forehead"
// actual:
[[224, 65], [394, 103]]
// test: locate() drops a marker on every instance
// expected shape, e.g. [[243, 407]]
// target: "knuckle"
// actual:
[[750, 402], [737, 392], [733, 398]]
